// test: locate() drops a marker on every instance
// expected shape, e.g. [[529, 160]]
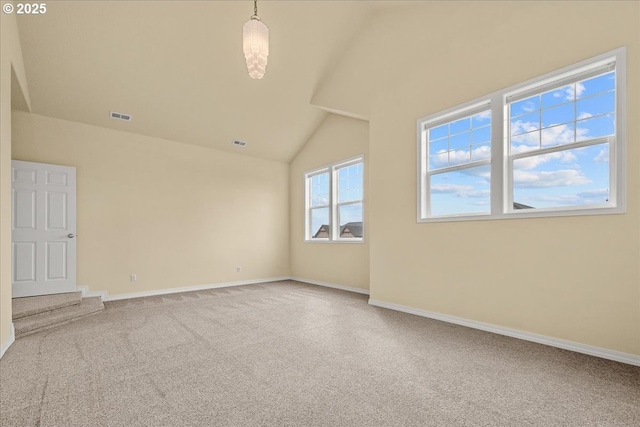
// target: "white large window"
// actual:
[[334, 202], [552, 146]]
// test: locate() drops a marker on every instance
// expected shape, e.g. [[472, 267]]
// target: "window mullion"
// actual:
[[498, 128], [332, 205]]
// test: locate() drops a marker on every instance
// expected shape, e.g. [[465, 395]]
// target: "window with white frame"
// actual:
[[334, 202], [458, 162], [548, 147]]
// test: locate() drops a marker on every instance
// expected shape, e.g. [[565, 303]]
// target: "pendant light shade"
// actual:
[[255, 44]]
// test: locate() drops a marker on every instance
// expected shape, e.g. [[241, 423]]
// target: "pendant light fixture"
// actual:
[[255, 43]]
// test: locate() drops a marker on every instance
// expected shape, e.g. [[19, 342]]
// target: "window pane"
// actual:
[[559, 96], [459, 157], [525, 142], [603, 83], [573, 177], [527, 123], [595, 106], [438, 146], [350, 218], [470, 140], [482, 152], [320, 223], [439, 161], [558, 115], [596, 127], [320, 190], [525, 106], [558, 135], [461, 192], [460, 140], [481, 119], [439, 132], [355, 193], [350, 183], [462, 125], [481, 135]]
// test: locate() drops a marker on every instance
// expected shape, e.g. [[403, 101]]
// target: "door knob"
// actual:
[[71, 235]]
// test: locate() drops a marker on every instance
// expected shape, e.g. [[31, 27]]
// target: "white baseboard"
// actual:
[[104, 295], [604, 353], [117, 297], [5, 345], [331, 285]]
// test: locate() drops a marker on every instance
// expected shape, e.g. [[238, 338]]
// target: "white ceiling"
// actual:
[[178, 68]]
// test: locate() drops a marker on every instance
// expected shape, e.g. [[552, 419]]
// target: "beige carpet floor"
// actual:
[[289, 354]]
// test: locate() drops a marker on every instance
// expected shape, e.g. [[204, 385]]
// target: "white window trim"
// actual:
[[501, 185], [332, 169]]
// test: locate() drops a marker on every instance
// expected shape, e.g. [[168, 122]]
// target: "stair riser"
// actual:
[[50, 308], [22, 334], [32, 306]]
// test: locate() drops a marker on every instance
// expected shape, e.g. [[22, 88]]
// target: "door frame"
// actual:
[[42, 180]]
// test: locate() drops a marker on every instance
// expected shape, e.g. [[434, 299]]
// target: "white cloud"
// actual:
[[557, 134], [528, 163], [460, 157], [529, 107], [477, 194], [320, 200], [603, 156], [483, 115], [590, 197], [570, 93], [584, 115], [450, 188], [546, 179], [460, 190], [520, 126], [594, 194], [481, 153]]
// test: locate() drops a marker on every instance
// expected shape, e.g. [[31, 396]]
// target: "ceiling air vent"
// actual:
[[120, 116], [239, 143]]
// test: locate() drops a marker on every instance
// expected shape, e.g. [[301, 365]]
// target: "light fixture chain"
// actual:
[[255, 7]]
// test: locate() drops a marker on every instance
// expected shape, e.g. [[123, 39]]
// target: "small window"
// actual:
[[552, 146], [334, 202], [458, 165]]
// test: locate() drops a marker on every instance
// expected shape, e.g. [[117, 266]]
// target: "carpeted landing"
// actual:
[[289, 354]]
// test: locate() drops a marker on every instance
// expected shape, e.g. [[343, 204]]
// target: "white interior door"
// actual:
[[43, 228]]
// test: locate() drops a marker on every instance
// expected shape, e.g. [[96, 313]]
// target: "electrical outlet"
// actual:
[[238, 269], [134, 277]]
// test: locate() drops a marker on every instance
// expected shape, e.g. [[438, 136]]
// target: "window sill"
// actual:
[[537, 213], [340, 242]]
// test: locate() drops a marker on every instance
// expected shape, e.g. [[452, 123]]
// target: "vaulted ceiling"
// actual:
[[177, 67]]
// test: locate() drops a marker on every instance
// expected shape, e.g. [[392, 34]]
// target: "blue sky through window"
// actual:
[[349, 190], [578, 112], [555, 148]]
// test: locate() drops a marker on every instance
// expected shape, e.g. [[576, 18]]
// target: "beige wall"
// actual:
[[574, 278], [174, 214], [337, 138], [12, 75]]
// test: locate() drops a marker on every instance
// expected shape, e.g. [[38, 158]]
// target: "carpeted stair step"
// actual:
[[51, 319], [29, 306]]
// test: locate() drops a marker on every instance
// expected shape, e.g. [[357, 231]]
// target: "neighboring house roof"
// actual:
[[324, 228], [353, 228], [521, 206]]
